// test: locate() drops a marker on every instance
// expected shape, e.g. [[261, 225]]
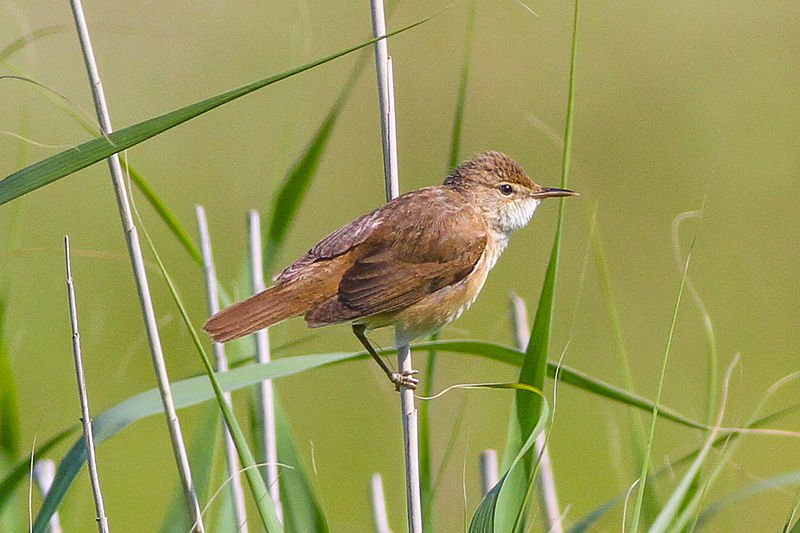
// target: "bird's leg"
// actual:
[[400, 379]]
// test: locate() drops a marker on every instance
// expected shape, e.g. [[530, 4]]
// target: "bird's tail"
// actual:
[[257, 312]]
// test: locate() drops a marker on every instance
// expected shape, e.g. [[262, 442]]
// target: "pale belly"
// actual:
[[441, 307]]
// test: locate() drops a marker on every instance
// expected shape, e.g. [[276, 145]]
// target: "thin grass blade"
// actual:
[[637, 511], [527, 409], [458, 121], [18, 44], [15, 476]]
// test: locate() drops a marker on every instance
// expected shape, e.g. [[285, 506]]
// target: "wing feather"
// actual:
[[423, 253]]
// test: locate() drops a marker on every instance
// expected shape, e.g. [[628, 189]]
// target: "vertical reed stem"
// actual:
[[44, 471], [378, 500], [404, 364], [86, 417], [142, 286], [221, 363], [386, 100], [489, 470], [266, 403]]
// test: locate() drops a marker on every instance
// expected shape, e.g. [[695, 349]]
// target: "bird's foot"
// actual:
[[405, 379]]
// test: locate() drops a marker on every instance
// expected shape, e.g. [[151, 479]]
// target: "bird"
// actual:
[[416, 263]]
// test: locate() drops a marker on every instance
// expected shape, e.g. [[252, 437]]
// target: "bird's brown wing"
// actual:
[[435, 248], [337, 243]]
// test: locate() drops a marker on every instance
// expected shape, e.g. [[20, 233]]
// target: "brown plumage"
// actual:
[[414, 263]]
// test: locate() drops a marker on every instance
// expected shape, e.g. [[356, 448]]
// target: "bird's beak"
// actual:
[[551, 192]]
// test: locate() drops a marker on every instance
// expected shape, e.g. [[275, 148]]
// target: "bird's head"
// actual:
[[501, 189]]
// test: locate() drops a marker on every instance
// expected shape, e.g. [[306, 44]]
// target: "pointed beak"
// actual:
[[551, 192]]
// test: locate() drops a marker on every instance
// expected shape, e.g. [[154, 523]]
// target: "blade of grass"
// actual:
[[163, 211], [69, 161], [789, 520], [18, 44], [708, 326], [299, 177], [637, 432], [650, 441], [9, 406], [458, 120], [12, 478], [534, 368], [679, 509], [296, 183]]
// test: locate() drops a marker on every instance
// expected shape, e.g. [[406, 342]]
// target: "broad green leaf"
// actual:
[[483, 521], [186, 392], [56, 167], [195, 390]]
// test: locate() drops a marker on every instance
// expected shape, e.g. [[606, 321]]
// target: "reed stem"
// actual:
[[140, 275]]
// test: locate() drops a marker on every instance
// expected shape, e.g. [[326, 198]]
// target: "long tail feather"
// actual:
[[257, 312]]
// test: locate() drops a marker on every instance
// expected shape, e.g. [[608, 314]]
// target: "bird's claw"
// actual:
[[405, 379]]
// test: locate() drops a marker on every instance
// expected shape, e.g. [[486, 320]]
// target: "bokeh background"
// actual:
[[676, 102]]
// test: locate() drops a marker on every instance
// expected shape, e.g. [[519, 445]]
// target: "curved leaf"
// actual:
[[483, 521], [186, 392], [195, 390], [62, 164]]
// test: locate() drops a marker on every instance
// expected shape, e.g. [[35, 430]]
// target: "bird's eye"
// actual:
[[506, 189]]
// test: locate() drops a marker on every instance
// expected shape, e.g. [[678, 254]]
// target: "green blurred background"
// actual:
[[675, 102]]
